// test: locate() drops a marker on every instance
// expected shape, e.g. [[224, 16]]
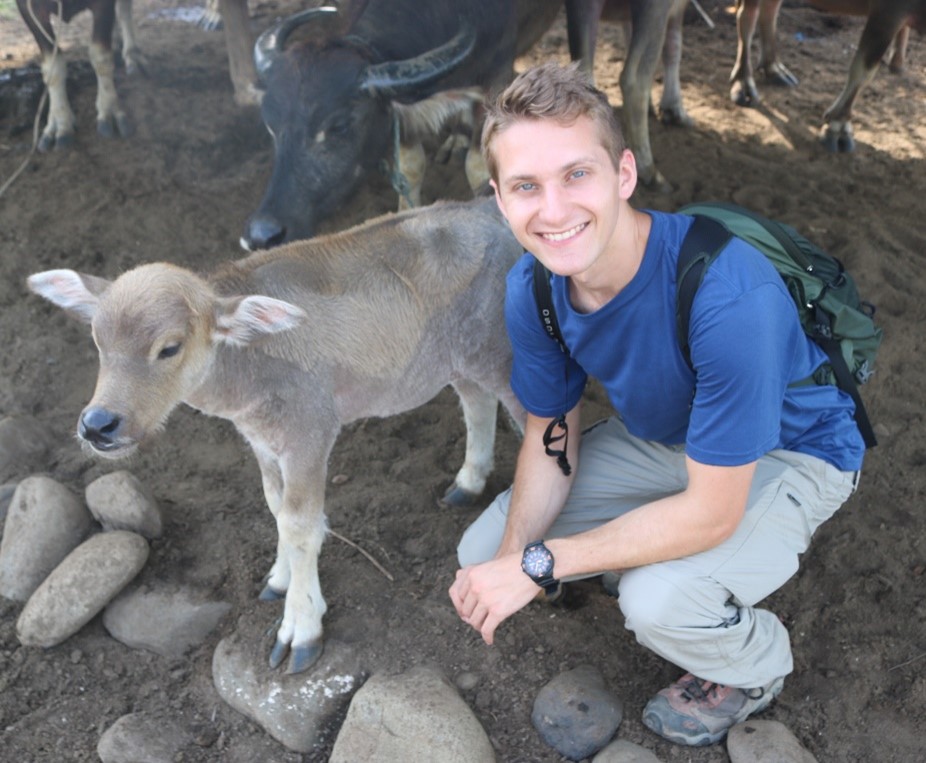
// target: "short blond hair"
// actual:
[[556, 92]]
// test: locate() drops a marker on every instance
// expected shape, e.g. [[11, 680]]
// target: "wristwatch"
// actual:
[[537, 563]]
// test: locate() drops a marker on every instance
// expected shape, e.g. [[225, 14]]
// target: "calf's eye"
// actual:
[[168, 351]]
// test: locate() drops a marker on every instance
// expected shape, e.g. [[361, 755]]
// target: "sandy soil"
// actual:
[[180, 190]]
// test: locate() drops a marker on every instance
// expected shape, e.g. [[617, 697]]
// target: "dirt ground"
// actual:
[[180, 190]]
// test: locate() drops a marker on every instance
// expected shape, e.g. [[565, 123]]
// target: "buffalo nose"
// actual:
[[99, 426], [263, 233]]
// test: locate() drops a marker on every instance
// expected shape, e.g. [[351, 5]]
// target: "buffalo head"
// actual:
[[328, 107]]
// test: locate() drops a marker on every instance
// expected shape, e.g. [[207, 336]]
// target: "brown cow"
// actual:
[[888, 22], [293, 343], [59, 129]]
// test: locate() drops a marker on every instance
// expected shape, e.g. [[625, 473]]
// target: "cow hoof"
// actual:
[[744, 95], [838, 142], [271, 594], [779, 75], [675, 117], [104, 128], [458, 497], [278, 653], [302, 658]]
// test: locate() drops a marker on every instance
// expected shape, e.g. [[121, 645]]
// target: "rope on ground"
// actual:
[[38, 113]]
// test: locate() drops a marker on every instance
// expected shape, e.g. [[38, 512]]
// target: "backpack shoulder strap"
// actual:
[[704, 241], [543, 295]]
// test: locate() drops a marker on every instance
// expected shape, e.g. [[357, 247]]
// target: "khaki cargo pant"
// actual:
[[698, 612]]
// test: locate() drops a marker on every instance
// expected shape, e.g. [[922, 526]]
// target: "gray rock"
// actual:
[[78, 588], [622, 751], [576, 713], [168, 622], [44, 523], [293, 709], [6, 497], [119, 501], [24, 443], [417, 715], [765, 742], [142, 738]]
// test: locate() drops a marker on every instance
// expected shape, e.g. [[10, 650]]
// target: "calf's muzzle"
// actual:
[[100, 428]]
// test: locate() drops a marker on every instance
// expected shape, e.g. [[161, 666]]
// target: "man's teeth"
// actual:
[[564, 235]]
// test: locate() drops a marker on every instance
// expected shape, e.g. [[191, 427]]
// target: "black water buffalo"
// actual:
[[328, 100]]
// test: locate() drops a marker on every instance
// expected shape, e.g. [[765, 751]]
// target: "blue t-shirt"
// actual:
[[747, 346]]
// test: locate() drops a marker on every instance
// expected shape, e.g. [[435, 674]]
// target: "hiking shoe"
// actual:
[[697, 713]]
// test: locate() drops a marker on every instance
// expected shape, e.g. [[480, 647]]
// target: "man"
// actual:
[[708, 484]]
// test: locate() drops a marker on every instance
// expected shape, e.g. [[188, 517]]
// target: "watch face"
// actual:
[[538, 562]]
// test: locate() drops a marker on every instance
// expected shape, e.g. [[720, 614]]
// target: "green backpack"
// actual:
[[830, 309]]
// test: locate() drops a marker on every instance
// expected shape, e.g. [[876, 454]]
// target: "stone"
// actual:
[[78, 588], [622, 751], [765, 742], [416, 715], [44, 523], [576, 713], [293, 709], [118, 501], [142, 738], [165, 621]]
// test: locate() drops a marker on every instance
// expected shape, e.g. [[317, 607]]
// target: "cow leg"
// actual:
[[301, 526], [411, 169], [59, 129], [272, 481], [743, 90], [671, 109], [775, 72], [582, 18], [649, 19], [239, 42], [480, 410], [109, 112], [898, 52], [131, 54], [880, 30]]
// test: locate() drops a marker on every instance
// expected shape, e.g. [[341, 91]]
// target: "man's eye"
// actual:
[[168, 351], [579, 174], [526, 187]]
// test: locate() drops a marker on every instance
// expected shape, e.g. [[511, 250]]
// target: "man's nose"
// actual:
[[555, 204]]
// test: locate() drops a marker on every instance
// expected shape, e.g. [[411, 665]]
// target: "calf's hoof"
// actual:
[[458, 497], [744, 95], [301, 657], [837, 141], [50, 141]]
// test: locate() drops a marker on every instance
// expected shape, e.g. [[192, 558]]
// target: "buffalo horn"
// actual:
[[393, 78], [271, 41]]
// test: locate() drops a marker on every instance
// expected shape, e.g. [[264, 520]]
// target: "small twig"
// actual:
[[707, 19], [908, 662], [371, 559]]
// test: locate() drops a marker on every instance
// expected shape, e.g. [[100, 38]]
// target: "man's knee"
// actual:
[[474, 547], [652, 601]]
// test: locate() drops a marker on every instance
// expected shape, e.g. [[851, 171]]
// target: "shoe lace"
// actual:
[[696, 690]]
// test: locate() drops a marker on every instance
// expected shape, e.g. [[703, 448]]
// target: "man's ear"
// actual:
[[241, 320], [627, 174], [76, 293]]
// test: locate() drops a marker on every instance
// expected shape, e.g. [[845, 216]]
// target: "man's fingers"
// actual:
[[488, 628]]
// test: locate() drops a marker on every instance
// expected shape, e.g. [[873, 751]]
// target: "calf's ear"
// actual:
[[75, 292], [241, 320]]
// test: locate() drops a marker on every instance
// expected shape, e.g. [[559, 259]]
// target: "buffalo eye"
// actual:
[[169, 350]]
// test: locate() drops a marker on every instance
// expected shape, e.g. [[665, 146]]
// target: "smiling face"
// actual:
[[562, 195]]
